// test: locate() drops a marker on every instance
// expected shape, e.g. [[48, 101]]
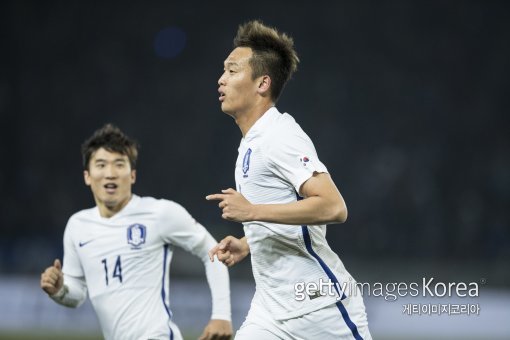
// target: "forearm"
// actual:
[[312, 210], [72, 294]]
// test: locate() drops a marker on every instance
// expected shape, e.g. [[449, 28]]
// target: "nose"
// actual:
[[110, 172], [221, 81]]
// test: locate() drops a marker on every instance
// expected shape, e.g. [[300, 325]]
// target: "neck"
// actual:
[[246, 120], [108, 210]]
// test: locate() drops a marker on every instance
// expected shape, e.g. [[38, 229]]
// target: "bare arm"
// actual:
[[322, 204]]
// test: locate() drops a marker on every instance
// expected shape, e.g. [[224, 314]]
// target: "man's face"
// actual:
[[238, 91], [110, 178]]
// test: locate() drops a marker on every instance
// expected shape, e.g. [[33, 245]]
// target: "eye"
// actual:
[[100, 165]]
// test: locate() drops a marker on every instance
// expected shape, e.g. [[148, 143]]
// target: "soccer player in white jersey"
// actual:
[[284, 198], [120, 251]]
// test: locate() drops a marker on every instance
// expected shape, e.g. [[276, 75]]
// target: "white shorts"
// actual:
[[346, 319]]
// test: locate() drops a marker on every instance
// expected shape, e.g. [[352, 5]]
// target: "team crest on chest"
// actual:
[[136, 234], [246, 163]]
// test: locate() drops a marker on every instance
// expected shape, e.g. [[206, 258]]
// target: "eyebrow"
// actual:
[[115, 160], [230, 63]]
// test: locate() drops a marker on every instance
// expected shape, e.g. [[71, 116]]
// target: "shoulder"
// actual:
[[158, 203], [283, 127], [281, 119], [160, 206], [293, 129], [82, 216], [283, 134], [78, 222]]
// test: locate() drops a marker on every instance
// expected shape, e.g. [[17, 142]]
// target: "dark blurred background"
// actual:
[[406, 102]]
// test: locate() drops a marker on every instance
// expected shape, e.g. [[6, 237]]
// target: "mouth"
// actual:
[[222, 96], [110, 188]]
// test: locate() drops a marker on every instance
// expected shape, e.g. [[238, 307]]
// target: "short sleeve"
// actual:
[[292, 156]]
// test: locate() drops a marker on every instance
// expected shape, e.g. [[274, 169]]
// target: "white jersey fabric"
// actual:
[[125, 260], [275, 158]]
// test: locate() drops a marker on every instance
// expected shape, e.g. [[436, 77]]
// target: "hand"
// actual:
[[217, 330], [230, 250], [234, 205], [52, 279]]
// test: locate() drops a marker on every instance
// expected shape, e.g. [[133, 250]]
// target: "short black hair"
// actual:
[[273, 53], [112, 139]]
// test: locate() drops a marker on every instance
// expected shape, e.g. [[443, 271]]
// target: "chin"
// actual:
[[111, 203], [227, 111], [224, 107]]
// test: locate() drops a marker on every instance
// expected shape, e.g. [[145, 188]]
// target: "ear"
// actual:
[[86, 177], [264, 84], [133, 176]]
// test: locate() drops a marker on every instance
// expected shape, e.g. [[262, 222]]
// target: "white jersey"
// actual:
[[125, 262], [275, 158]]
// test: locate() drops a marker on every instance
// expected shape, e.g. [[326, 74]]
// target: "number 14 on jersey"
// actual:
[[117, 270]]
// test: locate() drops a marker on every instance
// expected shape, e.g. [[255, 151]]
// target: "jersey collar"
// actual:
[[132, 203]]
